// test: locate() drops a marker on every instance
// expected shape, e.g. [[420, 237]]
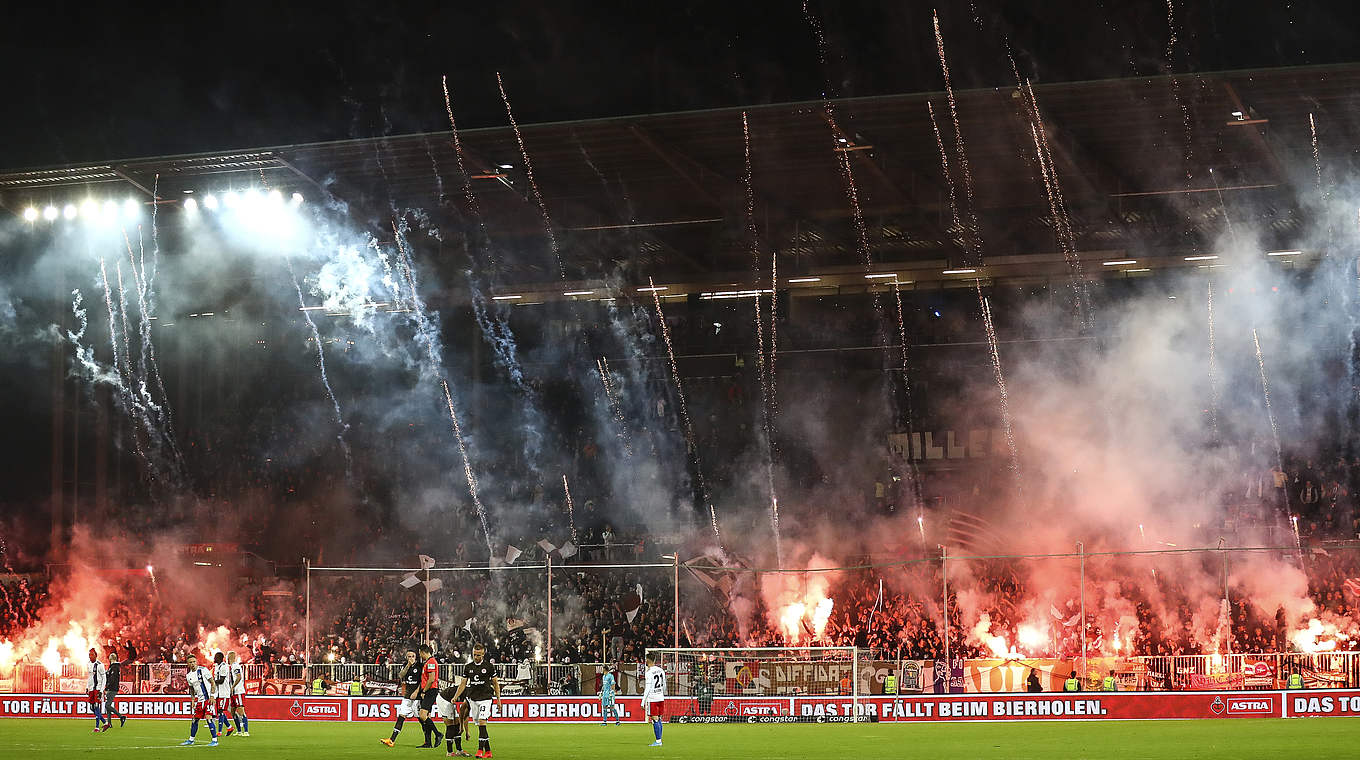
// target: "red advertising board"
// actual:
[[165, 706], [1050, 706], [518, 709], [906, 708], [1310, 704]]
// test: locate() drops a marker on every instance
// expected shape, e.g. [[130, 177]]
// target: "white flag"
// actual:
[[409, 581], [632, 603], [426, 562], [434, 584], [546, 546], [567, 549], [511, 554]]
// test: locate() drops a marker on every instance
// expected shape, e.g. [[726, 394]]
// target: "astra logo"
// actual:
[[1250, 706]]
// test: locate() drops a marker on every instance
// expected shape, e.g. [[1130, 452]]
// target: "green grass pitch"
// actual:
[[1237, 739]]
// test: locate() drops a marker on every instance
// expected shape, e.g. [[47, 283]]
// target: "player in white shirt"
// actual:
[[201, 688], [654, 696], [222, 693], [94, 687], [238, 694]]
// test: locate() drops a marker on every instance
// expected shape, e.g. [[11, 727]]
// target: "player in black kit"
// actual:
[[480, 683], [409, 678]]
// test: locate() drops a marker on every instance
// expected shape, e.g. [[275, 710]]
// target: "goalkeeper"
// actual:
[[608, 686]]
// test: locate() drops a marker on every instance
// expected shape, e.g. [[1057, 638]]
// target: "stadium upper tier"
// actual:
[[1146, 172]]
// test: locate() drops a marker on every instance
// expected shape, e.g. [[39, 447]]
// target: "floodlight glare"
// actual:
[[276, 197], [190, 204], [210, 202], [69, 211], [110, 210], [297, 199], [231, 200], [89, 209], [30, 214], [131, 208], [50, 213]]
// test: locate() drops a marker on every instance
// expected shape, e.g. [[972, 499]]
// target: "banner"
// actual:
[[954, 671], [1224, 681], [1322, 704], [157, 706], [1060, 706], [905, 708], [1258, 674], [785, 677], [999, 675], [523, 709]]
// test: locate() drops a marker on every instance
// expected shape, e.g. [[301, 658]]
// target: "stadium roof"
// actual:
[[1143, 164]]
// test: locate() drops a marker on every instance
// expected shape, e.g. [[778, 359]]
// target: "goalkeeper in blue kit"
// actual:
[[608, 686]]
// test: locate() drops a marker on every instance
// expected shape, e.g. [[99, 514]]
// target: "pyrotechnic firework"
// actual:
[[693, 450], [529, 174]]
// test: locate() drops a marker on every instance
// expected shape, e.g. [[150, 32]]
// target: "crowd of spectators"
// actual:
[[598, 615]]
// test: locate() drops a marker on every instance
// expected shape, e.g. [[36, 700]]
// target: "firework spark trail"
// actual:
[[959, 150], [1000, 384], [497, 333], [146, 304], [119, 362], [1062, 220], [973, 242], [321, 367], [1265, 391], [766, 370], [1213, 366], [616, 409], [684, 414], [426, 334], [944, 167], [434, 168], [1189, 151], [118, 381], [571, 509], [133, 380], [1317, 155], [468, 194], [529, 172], [908, 412], [1066, 240]]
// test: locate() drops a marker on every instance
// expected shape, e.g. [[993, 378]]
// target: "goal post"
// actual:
[[762, 684]]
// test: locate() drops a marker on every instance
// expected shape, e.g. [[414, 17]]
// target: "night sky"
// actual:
[[91, 82]]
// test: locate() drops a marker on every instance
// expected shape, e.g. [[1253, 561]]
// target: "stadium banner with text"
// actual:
[[1056, 706], [523, 709], [1322, 703], [166, 706], [905, 708]]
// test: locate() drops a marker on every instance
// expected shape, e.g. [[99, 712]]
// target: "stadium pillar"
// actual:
[[944, 579], [307, 624], [675, 582], [1081, 558], [549, 652], [1227, 599]]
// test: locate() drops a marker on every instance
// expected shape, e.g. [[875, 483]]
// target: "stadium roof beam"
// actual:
[[907, 196], [121, 172], [1254, 131], [678, 159]]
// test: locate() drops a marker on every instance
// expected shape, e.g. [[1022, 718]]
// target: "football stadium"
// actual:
[[694, 381]]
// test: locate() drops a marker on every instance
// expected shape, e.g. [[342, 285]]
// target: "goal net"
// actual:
[[761, 685]]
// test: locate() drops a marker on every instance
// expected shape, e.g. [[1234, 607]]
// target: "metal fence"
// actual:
[[1170, 673]]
